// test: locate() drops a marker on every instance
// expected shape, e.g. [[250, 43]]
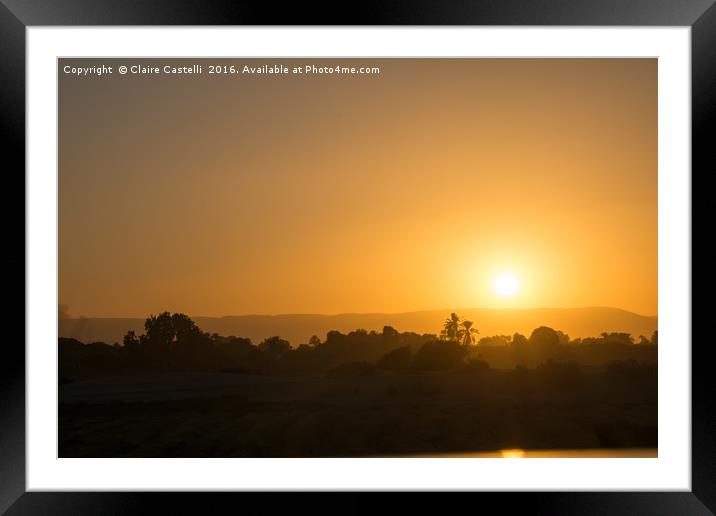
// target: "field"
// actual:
[[384, 414]]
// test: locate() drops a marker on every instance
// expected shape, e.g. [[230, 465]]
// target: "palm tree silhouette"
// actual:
[[466, 332], [451, 327]]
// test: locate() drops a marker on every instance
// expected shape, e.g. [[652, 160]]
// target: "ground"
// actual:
[[236, 415]]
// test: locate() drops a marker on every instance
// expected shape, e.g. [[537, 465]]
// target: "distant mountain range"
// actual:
[[298, 328]]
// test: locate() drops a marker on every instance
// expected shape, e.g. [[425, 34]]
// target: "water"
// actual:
[[640, 453]]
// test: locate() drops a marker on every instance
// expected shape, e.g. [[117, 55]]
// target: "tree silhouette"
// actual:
[[160, 330], [451, 327], [466, 333], [130, 340], [173, 342], [440, 355], [184, 328], [544, 337], [390, 333], [396, 360], [275, 346]]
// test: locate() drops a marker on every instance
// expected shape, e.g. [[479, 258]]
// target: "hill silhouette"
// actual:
[[298, 328]]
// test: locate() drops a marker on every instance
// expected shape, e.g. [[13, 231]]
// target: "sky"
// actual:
[[412, 189]]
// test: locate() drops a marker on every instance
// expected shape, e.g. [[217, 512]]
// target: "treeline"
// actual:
[[546, 344], [173, 342]]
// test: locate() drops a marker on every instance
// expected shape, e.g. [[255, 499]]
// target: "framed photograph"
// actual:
[[423, 249]]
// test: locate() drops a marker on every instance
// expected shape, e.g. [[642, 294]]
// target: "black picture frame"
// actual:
[[17, 15]]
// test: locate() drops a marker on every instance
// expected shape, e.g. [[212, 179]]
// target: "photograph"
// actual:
[[357, 257], [398, 248]]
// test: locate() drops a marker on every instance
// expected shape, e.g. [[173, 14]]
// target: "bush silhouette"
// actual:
[[440, 355], [276, 347], [397, 360]]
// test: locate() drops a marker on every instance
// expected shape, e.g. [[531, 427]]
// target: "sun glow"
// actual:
[[506, 285]]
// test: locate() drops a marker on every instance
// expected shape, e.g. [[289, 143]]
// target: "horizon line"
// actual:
[[337, 314]]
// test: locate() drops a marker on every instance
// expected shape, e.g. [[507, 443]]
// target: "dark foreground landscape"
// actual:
[[176, 391], [236, 415]]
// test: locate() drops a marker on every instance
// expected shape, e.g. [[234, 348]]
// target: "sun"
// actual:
[[506, 285]]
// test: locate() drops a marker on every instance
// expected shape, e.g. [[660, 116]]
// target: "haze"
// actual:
[[409, 190]]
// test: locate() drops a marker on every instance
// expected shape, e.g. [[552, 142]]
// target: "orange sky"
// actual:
[[408, 190]]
